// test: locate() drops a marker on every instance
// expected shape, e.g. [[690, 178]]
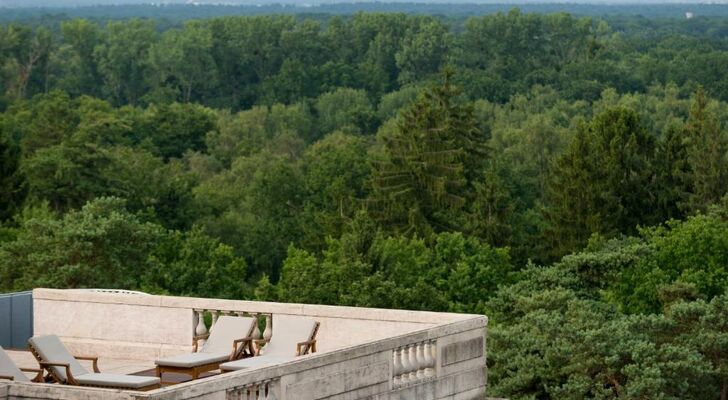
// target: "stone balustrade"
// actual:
[[200, 327], [264, 390], [414, 363]]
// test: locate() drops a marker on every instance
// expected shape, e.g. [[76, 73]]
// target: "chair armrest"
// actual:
[[311, 347], [259, 345], [69, 376], [38, 373], [90, 358], [7, 377], [196, 339], [245, 343]]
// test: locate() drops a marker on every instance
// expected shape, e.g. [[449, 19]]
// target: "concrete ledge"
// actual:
[[376, 314]]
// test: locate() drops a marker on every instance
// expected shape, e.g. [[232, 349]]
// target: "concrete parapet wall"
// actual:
[[146, 327]]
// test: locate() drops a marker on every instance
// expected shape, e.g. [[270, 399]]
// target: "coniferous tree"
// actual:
[[570, 197], [707, 155], [672, 174], [431, 160], [603, 183], [624, 153]]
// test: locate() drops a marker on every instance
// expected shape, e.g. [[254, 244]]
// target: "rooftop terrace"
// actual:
[[361, 353]]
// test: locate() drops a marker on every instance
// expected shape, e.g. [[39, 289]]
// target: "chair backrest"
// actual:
[[225, 331], [8, 368], [289, 330], [50, 349]]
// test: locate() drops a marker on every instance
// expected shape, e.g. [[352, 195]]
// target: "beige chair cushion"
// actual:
[[193, 359], [8, 368], [51, 349], [225, 331], [288, 330], [117, 380]]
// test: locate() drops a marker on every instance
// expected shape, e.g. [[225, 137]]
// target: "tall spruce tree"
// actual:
[[672, 174], [570, 197], [707, 154], [430, 165], [603, 183]]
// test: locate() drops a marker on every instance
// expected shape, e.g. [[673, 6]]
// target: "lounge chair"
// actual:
[[10, 371], [229, 339], [64, 368], [292, 337]]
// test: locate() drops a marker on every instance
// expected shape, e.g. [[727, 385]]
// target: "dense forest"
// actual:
[[564, 176]]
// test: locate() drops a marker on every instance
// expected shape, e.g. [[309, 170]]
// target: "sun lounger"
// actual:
[[292, 337], [64, 368], [228, 340], [10, 371]]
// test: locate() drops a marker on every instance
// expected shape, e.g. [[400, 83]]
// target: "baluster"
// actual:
[[215, 315], [272, 390], [194, 322], [268, 332], [420, 361], [256, 330], [261, 391], [429, 361], [413, 363], [434, 357], [396, 367], [404, 373], [201, 328]]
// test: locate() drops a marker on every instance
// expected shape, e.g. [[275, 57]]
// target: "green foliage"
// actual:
[[194, 264], [456, 273], [10, 179], [345, 109], [80, 249], [104, 245], [174, 129], [693, 252]]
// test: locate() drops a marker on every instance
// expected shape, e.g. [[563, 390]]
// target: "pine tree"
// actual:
[[707, 155], [430, 164]]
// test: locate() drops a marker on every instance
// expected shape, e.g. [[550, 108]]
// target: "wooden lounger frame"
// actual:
[[242, 348], [48, 366]]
